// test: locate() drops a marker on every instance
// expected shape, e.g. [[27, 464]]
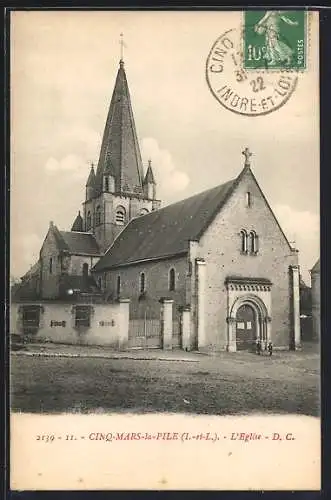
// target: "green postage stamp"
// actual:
[[275, 39]]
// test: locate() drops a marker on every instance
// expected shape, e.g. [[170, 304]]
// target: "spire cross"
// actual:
[[122, 44], [149, 163], [247, 154]]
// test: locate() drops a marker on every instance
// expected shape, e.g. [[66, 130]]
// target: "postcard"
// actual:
[[165, 296]]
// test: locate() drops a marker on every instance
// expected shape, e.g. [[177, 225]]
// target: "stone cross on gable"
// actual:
[[247, 154]]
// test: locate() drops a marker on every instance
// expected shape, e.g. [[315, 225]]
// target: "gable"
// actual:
[[258, 217], [50, 243]]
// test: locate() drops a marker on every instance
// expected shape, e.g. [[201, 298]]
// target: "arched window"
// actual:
[[243, 236], [253, 242], [118, 286], [98, 215], [172, 280], [120, 216], [50, 265], [143, 211], [142, 283], [88, 220]]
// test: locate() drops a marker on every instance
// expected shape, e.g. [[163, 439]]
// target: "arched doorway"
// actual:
[[246, 327]]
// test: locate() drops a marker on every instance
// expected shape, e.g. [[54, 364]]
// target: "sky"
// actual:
[[63, 69]]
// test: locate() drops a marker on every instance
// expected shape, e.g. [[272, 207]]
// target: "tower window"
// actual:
[[51, 266], [118, 285], [98, 215], [120, 216], [248, 199], [172, 280], [88, 220], [243, 236], [107, 184], [142, 283]]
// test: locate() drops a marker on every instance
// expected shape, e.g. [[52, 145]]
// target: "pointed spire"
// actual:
[[78, 223], [149, 177], [120, 143], [91, 178]]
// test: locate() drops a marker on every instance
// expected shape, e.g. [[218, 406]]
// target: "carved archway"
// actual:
[[263, 320]]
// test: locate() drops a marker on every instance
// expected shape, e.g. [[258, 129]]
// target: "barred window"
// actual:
[[31, 316], [82, 316]]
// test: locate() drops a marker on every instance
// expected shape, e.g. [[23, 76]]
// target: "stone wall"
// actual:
[[156, 282], [220, 247], [109, 323]]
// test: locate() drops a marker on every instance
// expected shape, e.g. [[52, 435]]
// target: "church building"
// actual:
[[216, 266]]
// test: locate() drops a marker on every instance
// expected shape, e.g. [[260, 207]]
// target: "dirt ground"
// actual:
[[228, 383]]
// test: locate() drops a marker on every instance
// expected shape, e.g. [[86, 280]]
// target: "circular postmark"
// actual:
[[246, 92]]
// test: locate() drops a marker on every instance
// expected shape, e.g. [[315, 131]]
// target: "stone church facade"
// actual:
[[218, 262]]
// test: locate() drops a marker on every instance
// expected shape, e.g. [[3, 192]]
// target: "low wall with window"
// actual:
[[84, 324]]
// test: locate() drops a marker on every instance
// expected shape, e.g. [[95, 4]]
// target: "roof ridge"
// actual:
[[166, 231], [78, 232], [185, 199]]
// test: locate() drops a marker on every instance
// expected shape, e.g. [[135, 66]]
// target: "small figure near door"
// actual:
[[270, 347], [258, 346]]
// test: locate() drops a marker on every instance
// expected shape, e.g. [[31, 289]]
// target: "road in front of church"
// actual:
[[229, 383]]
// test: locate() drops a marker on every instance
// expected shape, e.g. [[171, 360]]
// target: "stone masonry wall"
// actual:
[[220, 246]]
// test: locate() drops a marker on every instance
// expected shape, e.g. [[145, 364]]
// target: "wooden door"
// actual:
[[245, 328]]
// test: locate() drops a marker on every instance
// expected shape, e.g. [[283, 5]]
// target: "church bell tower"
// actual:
[[118, 190]]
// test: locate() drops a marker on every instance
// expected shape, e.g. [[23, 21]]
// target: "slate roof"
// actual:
[[166, 232], [78, 223], [149, 178], [33, 271], [80, 243], [91, 178], [76, 243], [317, 267], [120, 151]]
